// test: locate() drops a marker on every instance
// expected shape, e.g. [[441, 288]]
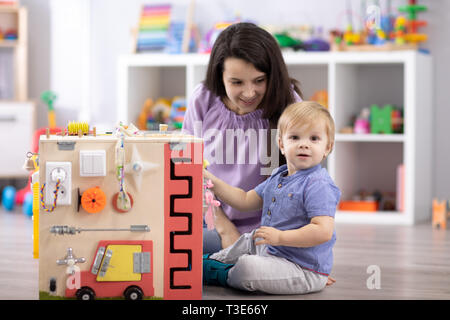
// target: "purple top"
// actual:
[[223, 131]]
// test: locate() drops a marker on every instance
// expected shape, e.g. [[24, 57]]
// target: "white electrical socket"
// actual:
[[63, 172]]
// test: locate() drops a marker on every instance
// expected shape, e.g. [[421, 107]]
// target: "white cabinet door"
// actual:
[[16, 134]]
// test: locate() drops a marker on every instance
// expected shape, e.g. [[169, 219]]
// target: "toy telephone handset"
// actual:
[[209, 202]]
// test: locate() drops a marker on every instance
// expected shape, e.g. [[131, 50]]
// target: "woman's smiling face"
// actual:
[[244, 84]]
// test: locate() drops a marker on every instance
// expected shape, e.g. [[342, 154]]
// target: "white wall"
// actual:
[[109, 24]]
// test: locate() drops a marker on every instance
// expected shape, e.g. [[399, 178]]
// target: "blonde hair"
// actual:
[[305, 112]]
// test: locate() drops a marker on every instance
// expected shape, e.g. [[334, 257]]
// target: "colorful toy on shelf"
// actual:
[[382, 31], [163, 111], [441, 213], [177, 111], [10, 34], [369, 206], [370, 202], [412, 24], [362, 122], [160, 113], [387, 119], [49, 98], [321, 96], [299, 37], [147, 245], [145, 111], [381, 119], [153, 29], [211, 36]]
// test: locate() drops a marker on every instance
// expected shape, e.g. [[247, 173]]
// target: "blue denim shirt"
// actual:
[[289, 202]]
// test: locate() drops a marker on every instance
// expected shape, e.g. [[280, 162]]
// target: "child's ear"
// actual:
[[280, 145], [328, 150]]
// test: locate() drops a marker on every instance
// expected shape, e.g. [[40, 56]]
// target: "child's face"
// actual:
[[305, 146], [244, 84]]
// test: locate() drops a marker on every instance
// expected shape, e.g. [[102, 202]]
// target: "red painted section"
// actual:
[[117, 288], [191, 278]]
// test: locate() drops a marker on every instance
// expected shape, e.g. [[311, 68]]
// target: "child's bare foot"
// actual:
[[330, 281], [226, 229]]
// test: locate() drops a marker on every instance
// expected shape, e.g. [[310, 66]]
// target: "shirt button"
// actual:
[[273, 199], [268, 212], [279, 185]]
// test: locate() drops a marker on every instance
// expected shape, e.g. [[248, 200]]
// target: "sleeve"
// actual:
[[321, 198], [260, 188], [197, 106]]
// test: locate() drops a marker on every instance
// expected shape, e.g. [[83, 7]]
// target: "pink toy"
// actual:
[[209, 199], [361, 126]]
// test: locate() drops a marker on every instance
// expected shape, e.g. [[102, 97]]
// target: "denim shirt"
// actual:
[[290, 202]]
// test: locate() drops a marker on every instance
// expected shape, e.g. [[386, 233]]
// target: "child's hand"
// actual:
[[268, 235], [207, 175]]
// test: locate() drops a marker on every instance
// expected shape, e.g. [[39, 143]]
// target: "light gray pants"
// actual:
[[257, 270]]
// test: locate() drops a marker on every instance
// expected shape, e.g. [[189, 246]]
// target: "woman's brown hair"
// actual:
[[255, 45]]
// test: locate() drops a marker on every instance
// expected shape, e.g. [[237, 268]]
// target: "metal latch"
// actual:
[[98, 260], [141, 262], [66, 145], [105, 264]]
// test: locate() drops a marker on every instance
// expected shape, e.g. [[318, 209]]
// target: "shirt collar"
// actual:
[[300, 173]]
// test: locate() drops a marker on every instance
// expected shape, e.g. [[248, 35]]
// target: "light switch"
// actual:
[[92, 163]]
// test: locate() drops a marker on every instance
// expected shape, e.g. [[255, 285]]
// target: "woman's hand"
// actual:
[[267, 235]]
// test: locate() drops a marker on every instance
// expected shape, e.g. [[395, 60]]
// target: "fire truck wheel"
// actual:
[[85, 293], [133, 293]]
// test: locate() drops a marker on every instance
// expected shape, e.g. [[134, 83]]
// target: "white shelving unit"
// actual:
[[354, 81], [17, 113]]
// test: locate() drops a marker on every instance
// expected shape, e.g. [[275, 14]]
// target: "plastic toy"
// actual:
[[153, 28], [383, 31], [49, 98], [163, 111], [27, 206], [441, 213], [142, 118], [211, 36], [208, 200], [93, 200], [74, 128], [177, 111], [321, 96], [8, 198], [362, 122], [149, 244], [412, 24], [380, 119], [370, 206]]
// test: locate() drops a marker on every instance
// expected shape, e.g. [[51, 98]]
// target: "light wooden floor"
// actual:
[[414, 263]]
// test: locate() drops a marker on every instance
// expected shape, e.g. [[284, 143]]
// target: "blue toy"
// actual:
[[27, 207], [8, 198]]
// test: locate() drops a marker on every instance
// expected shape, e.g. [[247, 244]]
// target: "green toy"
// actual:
[[381, 119], [49, 97]]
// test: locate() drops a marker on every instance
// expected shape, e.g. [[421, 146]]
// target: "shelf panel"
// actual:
[[369, 137], [8, 43], [378, 217]]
